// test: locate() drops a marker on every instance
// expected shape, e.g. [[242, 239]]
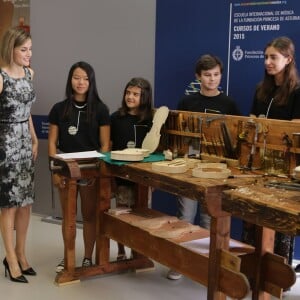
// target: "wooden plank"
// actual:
[[273, 208], [112, 267], [183, 260], [191, 187], [277, 274], [233, 284]]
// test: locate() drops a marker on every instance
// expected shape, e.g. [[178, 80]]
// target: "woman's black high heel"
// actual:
[[30, 271], [20, 278]]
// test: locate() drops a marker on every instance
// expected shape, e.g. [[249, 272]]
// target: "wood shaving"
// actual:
[[154, 223]]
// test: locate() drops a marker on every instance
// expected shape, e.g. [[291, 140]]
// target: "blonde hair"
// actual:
[[13, 37]]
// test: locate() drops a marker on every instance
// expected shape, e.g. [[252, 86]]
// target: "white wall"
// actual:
[[117, 37]]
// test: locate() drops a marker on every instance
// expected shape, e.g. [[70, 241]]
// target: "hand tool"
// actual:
[[227, 141]]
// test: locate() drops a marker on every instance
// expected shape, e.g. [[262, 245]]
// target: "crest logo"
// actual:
[[237, 53]]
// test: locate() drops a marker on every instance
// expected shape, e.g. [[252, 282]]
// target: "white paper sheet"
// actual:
[[202, 245], [78, 155]]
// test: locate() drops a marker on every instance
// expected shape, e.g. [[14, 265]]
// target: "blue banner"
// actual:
[[252, 25], [41, 126], [236, 31]]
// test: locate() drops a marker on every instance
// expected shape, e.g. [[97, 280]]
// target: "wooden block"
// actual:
[[126, 155], [230, 261], [211, 170], [176, 166], [119, 211], [67, 283], [277, 272], [233, 284], [273, 289], [144, 270]]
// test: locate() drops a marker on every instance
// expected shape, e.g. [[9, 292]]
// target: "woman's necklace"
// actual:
[[72, 130], [80, 106]]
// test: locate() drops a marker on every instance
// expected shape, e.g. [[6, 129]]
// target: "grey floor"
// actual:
[[45, 249]]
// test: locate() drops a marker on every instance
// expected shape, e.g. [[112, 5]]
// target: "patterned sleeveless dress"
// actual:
[[16, 159]]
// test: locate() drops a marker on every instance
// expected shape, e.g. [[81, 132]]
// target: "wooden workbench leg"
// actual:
[[103, 204], [219, 239], [141, 201], [264, 242], [69, 227], [68, 194], [142, 194]]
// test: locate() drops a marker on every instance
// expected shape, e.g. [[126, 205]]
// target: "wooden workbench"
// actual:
[[220, 270], [270, 209], [225, 270]]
